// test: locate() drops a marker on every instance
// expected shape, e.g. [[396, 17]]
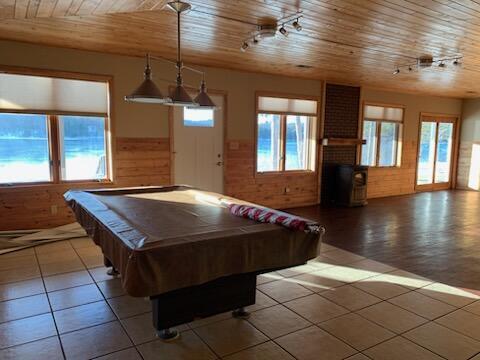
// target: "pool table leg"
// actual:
[[168, 334], [112, 271], [240, 313]]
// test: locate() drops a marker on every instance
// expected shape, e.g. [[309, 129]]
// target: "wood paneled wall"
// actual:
[[393, 181], [138, 162], [268, 190]]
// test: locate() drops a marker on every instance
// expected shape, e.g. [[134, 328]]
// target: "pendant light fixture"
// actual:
[[148, 92]]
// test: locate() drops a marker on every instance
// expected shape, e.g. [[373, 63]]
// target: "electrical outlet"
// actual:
[[54, 209]]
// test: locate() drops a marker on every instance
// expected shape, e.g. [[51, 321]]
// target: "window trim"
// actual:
[[378, 123], [53, 130], [314, 127]]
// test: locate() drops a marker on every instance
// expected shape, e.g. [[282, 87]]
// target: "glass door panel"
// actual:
[[444, 152], [426, 156]]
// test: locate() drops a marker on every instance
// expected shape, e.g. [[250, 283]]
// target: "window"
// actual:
[[43, 139], [286, 136], [382, 127], [198, 117]]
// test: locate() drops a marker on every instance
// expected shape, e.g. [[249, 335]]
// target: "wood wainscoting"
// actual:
[[395, 180], [265, 189], [137, 162]]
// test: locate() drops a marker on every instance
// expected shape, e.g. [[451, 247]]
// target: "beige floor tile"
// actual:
[[342, 256], [316, 282], [392, 317], [95, 341], [56, 256], [265, 351], [89, 251], [405, 279], [463, 322], [422, 305], [473, 308], [283, 290], [476, 357], [262, 301], [126, 306], [188, 347], [93, 261], [53, 247], [350, 297], [67, 280], [297, 270], [324, 247], [443, 341], [313, 344], [210, 320], [25, 330], [322, 262], [268, 277], [357, 331], [23, 307], [45, 349], [61, 267], [83, 316], [383, 290], [449, 294], [316, 308], [79, 243], [400, 348], [358, 356], [372, 265], [17, 262], [345, 273], [140, 328], [20, 274], [229, 336], [277, 321], [76, 296], [128, 354], [12, 254], [100, 274], [111, 288], [21, 289]]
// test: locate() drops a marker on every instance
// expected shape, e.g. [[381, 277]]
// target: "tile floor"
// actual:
[[57, 302]]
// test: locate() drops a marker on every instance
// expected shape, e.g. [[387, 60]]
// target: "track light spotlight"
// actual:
[[283, 31], [410, 68], [456, 62], [442, 64], [297, 25], [255, 41], [397, 71], [244, 46]]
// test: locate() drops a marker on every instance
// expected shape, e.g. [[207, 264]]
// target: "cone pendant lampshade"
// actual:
[[147, 92], [202, 99]]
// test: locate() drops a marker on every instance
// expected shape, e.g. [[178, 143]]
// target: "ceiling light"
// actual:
[[202, 99], [442, 64], [255, 41], [283, 31], [297, 25], [244, 46], [397, 71], [410, 68], [147, 92], [456, 62]]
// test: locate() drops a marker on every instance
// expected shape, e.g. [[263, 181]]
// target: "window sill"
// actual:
[[47, 185], [284, 173]]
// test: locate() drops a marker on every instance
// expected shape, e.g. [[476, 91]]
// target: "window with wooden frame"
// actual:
[[53, 129], [382, 130], [285, 134]]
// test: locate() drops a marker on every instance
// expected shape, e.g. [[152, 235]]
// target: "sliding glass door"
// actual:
[[435, 154]]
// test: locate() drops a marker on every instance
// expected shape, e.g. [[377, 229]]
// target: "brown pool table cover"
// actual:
[[167, 238]]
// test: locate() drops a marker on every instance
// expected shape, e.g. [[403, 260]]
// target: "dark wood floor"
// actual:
[[433, 234]]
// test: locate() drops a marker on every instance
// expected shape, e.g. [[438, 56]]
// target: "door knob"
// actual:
[[219, 163]]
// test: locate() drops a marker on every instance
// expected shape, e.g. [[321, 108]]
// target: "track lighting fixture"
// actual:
[[283, 31], [297, 25], [428, 61], [269, 29]]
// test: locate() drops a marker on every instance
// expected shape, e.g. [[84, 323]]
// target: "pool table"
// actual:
[[183, 248]]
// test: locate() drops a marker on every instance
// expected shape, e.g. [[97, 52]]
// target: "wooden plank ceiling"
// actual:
[[351, 41]]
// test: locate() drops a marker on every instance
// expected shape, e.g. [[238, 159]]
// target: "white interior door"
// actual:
[[198, 146]]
